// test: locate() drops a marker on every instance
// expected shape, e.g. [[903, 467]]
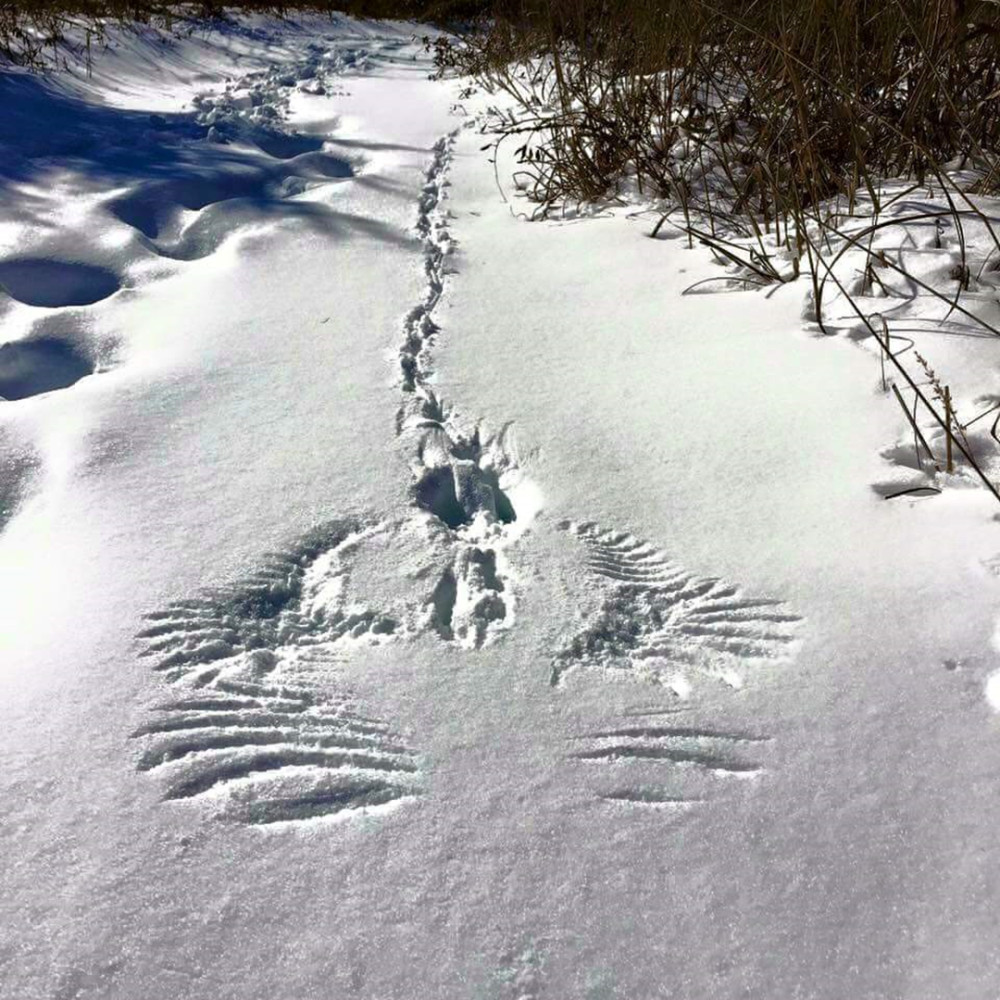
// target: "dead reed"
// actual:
[[781, 134], [33, 33]]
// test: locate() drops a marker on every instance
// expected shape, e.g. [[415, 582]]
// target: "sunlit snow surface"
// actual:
[[400, 599], [993, 691]]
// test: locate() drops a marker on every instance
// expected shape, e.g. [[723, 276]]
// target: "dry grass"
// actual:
[[800, 100], [33, 33], [767, 130]]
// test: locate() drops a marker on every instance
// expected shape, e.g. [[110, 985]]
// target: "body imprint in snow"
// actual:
[[256, 726]]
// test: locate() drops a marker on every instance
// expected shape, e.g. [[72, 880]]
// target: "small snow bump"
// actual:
[[680, 685], [992, 690], [733, 679]]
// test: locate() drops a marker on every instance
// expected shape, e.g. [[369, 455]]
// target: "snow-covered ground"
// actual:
[[404, 600]]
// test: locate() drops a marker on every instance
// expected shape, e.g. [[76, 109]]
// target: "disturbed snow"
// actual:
[[403, 600]]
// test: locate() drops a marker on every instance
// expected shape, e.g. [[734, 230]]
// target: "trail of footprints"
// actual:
[[458, 477], [253, 725]]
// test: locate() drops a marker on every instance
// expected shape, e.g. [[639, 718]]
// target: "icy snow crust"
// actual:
[[402, 600]]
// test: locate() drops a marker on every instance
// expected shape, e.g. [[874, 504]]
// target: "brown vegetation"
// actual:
[[768, 130], [32, 32]]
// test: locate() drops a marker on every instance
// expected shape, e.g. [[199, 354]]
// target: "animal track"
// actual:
[[253, 726], [296, 599], [691, 754], [246, 173], [657, 619], [419, 328], [462, 479], [274, 753], [252, 108]]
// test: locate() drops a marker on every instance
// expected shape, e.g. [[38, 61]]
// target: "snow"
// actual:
[[993, 691], [401, 599]]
